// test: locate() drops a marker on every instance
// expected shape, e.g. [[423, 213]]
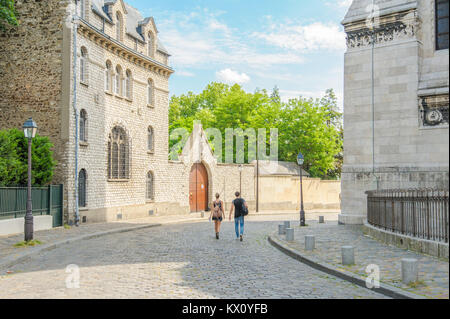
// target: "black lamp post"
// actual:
[[29, 129], [300, 161], [241, 168]]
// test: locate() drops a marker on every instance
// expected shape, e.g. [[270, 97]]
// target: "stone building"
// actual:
[[395, 99], [122, 94]]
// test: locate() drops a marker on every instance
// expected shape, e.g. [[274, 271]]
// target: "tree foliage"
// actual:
[[313, 127], [14, 159], [7, 13]]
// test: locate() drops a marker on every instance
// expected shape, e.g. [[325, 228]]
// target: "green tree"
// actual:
[[14, 159], [310, 126], [7, 14]]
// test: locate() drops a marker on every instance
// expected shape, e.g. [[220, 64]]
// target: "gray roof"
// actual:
[[134, 20], [279, 168], [358, 8]]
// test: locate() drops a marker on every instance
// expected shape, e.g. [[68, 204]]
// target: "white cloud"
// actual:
[[305, 38], [232, 77], [287, 95], [185, 73]]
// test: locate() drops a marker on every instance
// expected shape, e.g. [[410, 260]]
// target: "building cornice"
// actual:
[[114, 46]]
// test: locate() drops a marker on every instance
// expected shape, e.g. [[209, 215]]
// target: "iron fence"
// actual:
[[46, 200], [421, 213]]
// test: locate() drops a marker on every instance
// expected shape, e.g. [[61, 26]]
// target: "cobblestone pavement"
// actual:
[[330, 237], [176, 261]]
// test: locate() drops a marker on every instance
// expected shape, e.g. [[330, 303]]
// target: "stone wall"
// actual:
[[31, 75], [387, 146]]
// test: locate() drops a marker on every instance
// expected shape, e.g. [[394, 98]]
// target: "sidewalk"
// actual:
[[330, 237], [59, 236]]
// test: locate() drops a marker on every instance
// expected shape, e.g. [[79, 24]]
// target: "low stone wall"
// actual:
[[427, 247], [17, 225], [283, 193]]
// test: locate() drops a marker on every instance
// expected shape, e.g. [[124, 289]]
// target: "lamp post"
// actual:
[[241, 168], [300, 161], [29, 129]]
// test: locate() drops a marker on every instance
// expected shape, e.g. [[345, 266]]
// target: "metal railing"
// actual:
[[420, 213], [47, 200]]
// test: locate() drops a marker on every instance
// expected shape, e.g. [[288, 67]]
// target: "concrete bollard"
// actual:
[[287, 225], [289, 234], [348, 255], [281, 230], [321, 220], [310, 242], [410, 270]]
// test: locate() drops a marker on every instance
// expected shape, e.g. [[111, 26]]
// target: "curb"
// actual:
[[384, 289], [11, 261]]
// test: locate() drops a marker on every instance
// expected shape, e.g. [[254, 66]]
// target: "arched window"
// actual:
[[119, 26], [150, 191], [150, 44], [82, 183], [129, 85], [150, 92], [83, 126], [118, 81], [108, 76], [150, 139], [118, 154], [83, 65]]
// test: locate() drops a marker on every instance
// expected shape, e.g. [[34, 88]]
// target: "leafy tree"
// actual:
[[14, 159], [307, 125], [7, 14]]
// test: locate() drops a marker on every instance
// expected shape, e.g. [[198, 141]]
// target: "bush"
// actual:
[[14, 159]]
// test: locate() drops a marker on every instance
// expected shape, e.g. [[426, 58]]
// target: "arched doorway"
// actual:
[[198, 188]]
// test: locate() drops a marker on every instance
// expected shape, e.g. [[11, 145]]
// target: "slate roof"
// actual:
[[134, 20]]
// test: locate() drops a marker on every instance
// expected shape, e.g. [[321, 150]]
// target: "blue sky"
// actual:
[[297, 45]]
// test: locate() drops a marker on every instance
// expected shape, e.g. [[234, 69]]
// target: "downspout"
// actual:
[[373, 93], [75, 21]]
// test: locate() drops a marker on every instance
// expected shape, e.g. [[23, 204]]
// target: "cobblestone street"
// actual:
[[176, 261]]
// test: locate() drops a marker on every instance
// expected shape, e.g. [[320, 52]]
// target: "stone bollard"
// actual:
[[287, 225], [310, 242], [281, 230], [321, 220], [348, 255], [289, 234], [410, 270]]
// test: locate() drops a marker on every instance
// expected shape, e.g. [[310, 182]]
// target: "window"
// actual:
[[150, 92], [118, 81], [83, 65], [150, 44], [118, 155], [108, 76], [150, 192], [83, 126], [442, 7], [129, 85], [119, 26], [150, 139], [82, 181]]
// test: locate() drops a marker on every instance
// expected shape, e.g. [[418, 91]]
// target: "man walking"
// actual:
[[240, 210]]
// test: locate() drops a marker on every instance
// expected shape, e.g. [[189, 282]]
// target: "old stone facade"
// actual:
[[122, 96], [395, 101]]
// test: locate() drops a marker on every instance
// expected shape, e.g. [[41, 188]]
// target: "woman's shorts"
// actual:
[[218, 219]]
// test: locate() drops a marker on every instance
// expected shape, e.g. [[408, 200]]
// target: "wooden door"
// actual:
[[198, 188]]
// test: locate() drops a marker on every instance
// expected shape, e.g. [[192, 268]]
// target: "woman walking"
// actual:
[[217, 214]]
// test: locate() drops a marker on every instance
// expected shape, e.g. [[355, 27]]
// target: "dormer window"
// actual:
[[119, 26]]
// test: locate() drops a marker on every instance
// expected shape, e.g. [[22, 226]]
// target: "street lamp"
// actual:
[[241, 168], [29, 129], [300, 161]]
